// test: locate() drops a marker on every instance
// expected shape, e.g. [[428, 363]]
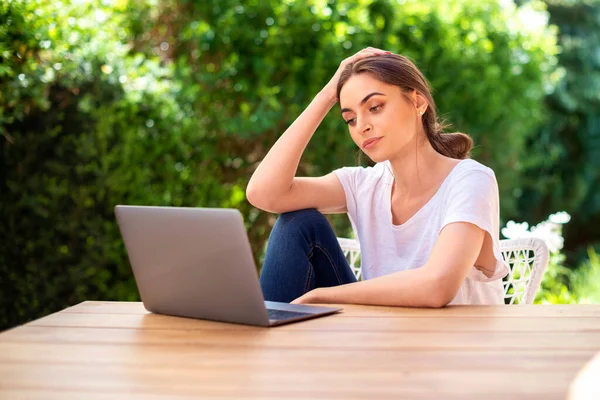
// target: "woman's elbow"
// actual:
[[260, 201], [255, 196], [437, 301], [441, 294]]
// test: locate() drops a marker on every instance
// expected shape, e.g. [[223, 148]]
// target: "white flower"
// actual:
[[561, 217], [550, 233], [550, 230], [515, 230]]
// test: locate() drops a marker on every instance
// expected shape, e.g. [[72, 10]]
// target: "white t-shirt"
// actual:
[[469, 193]]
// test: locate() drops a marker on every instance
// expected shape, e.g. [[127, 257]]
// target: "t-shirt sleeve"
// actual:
[[350, 178], [473, 197]]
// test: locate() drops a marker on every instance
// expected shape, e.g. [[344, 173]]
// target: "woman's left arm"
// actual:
[[433, 285]]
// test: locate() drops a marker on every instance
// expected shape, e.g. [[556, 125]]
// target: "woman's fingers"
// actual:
[[376, 50], [379, 50], [366, 52], [370, 51]]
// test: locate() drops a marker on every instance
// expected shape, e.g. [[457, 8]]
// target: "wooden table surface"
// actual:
[[112, 350]]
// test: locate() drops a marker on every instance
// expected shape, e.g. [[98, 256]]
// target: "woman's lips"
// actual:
[[370, 143]]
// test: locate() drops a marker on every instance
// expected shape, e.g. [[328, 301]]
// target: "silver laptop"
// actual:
[[197, 262]]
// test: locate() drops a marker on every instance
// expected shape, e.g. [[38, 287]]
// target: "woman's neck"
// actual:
[[417, 171]]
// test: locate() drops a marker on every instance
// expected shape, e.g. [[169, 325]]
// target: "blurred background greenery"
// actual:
[[174, 103]]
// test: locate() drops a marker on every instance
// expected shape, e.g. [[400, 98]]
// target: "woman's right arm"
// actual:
[[274, 186]]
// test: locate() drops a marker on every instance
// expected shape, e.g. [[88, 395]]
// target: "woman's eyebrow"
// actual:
[[363, 101]]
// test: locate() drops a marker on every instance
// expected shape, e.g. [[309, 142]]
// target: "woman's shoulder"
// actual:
[[360, 179], [470, 167], [471, 176], [370, 173]]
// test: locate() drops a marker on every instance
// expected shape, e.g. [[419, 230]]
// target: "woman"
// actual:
[[426, 216]]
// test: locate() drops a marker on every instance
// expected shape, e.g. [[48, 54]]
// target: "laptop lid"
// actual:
[[193, 262]]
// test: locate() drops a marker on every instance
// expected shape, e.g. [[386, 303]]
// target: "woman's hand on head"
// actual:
[[331, 87]]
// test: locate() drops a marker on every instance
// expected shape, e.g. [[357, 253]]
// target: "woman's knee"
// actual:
[[301, 219]]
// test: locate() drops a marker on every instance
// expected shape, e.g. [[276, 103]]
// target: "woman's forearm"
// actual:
[[275, 174], [410, 288]]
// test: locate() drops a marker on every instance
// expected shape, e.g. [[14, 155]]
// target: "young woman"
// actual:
[[426, 216]]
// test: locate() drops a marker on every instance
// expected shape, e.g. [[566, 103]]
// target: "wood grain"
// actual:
[[525, 310], [388, 323], [230, 381], [100, 350]]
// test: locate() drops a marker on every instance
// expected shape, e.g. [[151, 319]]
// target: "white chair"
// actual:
[[527, 259]]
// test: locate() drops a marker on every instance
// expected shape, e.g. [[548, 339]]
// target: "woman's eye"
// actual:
[[372, 109]]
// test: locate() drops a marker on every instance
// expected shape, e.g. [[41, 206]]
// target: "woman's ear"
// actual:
[[420, 102]]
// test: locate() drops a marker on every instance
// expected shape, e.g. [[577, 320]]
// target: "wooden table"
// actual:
[[110, 350]]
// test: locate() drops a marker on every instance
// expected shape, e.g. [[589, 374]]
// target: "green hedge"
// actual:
[[565, 152], [174, 103]]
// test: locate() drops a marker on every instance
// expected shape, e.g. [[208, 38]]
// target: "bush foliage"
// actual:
[[174, 103]]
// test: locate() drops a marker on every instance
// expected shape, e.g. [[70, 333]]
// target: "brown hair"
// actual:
[[398, 70]]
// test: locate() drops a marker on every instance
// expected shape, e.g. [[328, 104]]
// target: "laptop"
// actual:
[[197, 263]]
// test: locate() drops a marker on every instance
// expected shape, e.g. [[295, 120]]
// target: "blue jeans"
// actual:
[[302, 254]]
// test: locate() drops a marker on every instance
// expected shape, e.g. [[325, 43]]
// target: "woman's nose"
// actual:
[[364, 126]]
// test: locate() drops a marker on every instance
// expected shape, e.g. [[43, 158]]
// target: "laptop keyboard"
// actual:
[[282, 314]]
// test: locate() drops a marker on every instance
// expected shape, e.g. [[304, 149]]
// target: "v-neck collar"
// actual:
[[413, 217]]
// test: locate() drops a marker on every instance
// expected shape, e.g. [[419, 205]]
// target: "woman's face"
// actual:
[[381, 120]]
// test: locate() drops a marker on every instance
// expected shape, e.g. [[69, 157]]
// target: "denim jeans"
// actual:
[[302, 254]]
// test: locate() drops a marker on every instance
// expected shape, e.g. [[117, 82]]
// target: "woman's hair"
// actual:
[[398, 70]]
